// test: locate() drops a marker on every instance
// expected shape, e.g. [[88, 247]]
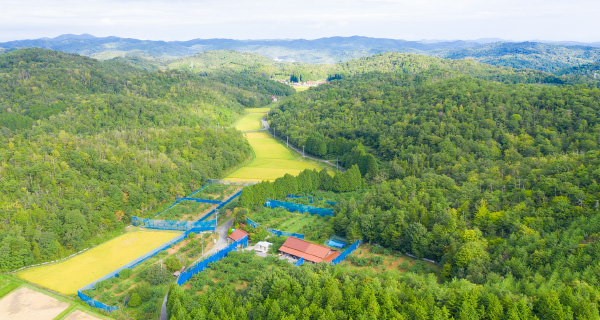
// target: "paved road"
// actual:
[[221, 243], [327, 162]]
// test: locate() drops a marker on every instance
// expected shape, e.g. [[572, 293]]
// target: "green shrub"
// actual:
[[135, 300], [126, 273], [173, 264]]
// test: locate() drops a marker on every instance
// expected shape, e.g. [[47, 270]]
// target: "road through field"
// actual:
[[272, 158]]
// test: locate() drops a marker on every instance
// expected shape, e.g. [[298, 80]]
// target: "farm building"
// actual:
[[309, 251], [238, 234]]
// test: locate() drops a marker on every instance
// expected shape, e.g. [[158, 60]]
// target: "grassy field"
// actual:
[[380, 259], [315, 228], [191, 210], [272, 158], [68, 276], [301, 88], [251, 121]]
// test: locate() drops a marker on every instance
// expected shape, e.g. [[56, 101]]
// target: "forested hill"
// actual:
[[496, 182], [86, 144], [530, 55], [436, 68]]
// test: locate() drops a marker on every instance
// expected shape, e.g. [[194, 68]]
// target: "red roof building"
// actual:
[[238, 234], [309, 251]]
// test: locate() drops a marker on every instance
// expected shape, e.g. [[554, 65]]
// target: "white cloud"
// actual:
[[243, 19]]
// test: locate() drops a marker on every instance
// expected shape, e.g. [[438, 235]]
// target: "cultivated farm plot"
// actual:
[[70, 275], [149, 279], [251, 121], [380, 260], [190, 210], [28, 304], [272, 160], [80, 315], [313, 227]]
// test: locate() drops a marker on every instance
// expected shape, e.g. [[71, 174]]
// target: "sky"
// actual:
[[552, 20]]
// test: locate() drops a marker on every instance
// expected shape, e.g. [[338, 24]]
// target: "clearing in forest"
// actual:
[[70, 275], [28, 304], [272, 159]]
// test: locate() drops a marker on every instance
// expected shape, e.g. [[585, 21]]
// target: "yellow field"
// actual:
[[301, 88], [272, 158], [68, 276], [251, 121]]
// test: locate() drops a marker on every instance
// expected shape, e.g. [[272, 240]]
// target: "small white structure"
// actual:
[[263, 246]]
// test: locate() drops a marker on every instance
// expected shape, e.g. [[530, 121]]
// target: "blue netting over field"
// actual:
[[298, 207], [172, 224], [224, 203], [179, 200], [299, 262], [100, 305], [311, 199], [275, 232], [185, 276], [346, 252]]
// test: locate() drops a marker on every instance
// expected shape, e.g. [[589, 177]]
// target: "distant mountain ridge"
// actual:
[[545, 56]]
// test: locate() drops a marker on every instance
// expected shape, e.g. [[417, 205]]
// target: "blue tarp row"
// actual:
[[279, 233], [299, 262], [100, 305], [346, 252], [224, 203], [252, 223], [336, 244], [311, 199], [298, 207], [200, 266], [171, 224], [199, 200]]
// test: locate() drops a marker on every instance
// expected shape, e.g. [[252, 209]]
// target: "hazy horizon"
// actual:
[[179, 20]]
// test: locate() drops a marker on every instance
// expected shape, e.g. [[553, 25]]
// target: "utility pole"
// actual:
[[287, 141], [337, 165], [302, 151]]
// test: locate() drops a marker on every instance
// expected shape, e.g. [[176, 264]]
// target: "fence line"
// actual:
[[200, 266], [97, 304], [275, 232], [171, 224], [298, 207], [199, 200], [179, 200], [346, 252], [50, 262], [224, 203], [292, 196], [279, 233]]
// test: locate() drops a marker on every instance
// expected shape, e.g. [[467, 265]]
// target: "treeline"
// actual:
[[322, 291], [85, 144], [306, 182]]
